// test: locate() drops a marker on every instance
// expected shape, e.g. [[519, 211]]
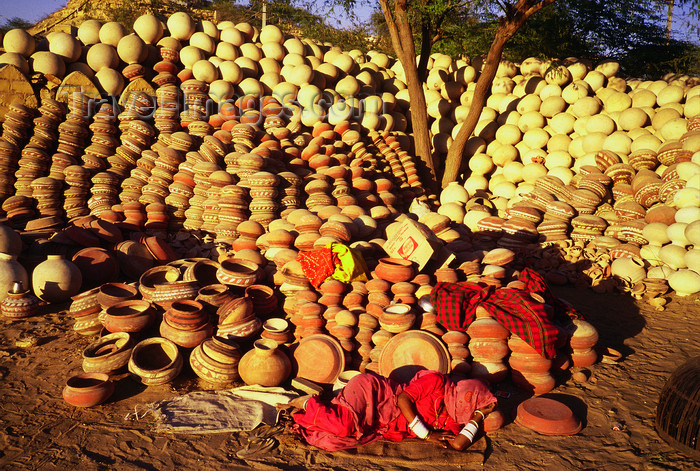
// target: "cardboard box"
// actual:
[[413, 241]]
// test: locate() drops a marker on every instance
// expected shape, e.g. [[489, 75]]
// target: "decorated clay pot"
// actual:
[[264, 299], [55, 280], [216, 360], [88, 389], [397, 318], [108, 354], [19, 303], [155, 360], [265, 364], [112, 293]]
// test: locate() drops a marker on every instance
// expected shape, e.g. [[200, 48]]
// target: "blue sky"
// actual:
[[35, 10]]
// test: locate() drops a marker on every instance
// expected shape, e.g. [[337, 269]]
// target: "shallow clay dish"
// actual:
[[411, 351], [547, 417], [319, 358]]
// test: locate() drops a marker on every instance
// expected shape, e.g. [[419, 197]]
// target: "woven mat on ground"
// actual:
[[234, 410]]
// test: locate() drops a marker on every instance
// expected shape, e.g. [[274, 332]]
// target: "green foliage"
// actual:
[[13, 23]]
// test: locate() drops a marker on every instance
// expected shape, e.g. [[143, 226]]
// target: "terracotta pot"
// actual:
[[85, 303], [213, 297], [529, 363], [533, 383], [108, 354], [487, 328], [155, 361], [185, 338], [395, 270], [156, 275], [264, 364], [203, 272], [235, 311], [112, 293], [237, 272], [55, 280], [19, 303], [165, 294], [397, 318], [96, 265], [264, 299], [222, 367], [128, 316], [186, 315], [88, 325], [88, 389]]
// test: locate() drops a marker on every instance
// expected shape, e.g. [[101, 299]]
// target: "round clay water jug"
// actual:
[[56, 279], [11, 271], [264, 364]]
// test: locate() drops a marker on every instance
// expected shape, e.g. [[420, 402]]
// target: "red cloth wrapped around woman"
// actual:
[[366, 409]]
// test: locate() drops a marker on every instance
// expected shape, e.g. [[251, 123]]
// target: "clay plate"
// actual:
[[411, 351], [547, 417], [319, 358]]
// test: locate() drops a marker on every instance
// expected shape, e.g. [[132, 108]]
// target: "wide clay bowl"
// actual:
[[155, 360], [237, 272], [108, 354], [157, 275], [547, 417], [88, 389], [112, 293], [128, 316], [395, 270]]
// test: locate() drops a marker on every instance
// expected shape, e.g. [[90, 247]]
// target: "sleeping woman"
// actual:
[[431, 407]]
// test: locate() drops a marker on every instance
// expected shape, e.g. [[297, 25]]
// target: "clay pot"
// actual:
[[154, 276], [110, 294], [11, 271], [264, 299], [236, 311], [186, 315], [189, 338], [278, 330], [166, 293], [10, 241], [203, 272], [128, 316], [108, 354], [55, 280], [264, 364], [155, 360], [88, 389], [19, 303], [96, 265], [684, 282], [397, 318], [214, 296], [237, 272], [216, 360], [395, 270]]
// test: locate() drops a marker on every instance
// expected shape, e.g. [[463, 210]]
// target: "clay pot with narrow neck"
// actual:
[[56, 279], [265, 364]]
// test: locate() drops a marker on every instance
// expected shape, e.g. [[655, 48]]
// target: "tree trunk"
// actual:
[[669, 19], [425, 47], [507, 27], [402, 41]]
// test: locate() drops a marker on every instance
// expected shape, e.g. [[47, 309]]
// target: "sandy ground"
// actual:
[[39, 431]]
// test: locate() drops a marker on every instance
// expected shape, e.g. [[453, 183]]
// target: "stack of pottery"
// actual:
[[134, 216], [265, 364], [216, 360], [366, 327], [17, 126], [86, 309], [584, 338], [294, 278], [377, 296], [379, 339], [247, 165], [155, 360], [194, 213], [132, 187], [529, 369], [109, 354], [290, 192], [233, 205], [332, 292], [212, 297], [103, 142], [46, 191], [9, 156], [19, 210], [344, 329], [308, 319], [237, 320], [307, 225], [263, 193], [19, 302], [156, 218], [104, 192], [186, 323], [264, 299], [488, 347], [34, 163], [457, 345]]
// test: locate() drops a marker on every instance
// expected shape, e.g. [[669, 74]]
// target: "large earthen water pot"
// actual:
[[264, 364], [56, 279], [149, 28], [132, 49], [181, 26], [19, 41], [112, 32], [101, 56], [47, 63], [89, 32], [65, 46]]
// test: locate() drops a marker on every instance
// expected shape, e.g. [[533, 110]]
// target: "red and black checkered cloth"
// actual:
[[456, 303]]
